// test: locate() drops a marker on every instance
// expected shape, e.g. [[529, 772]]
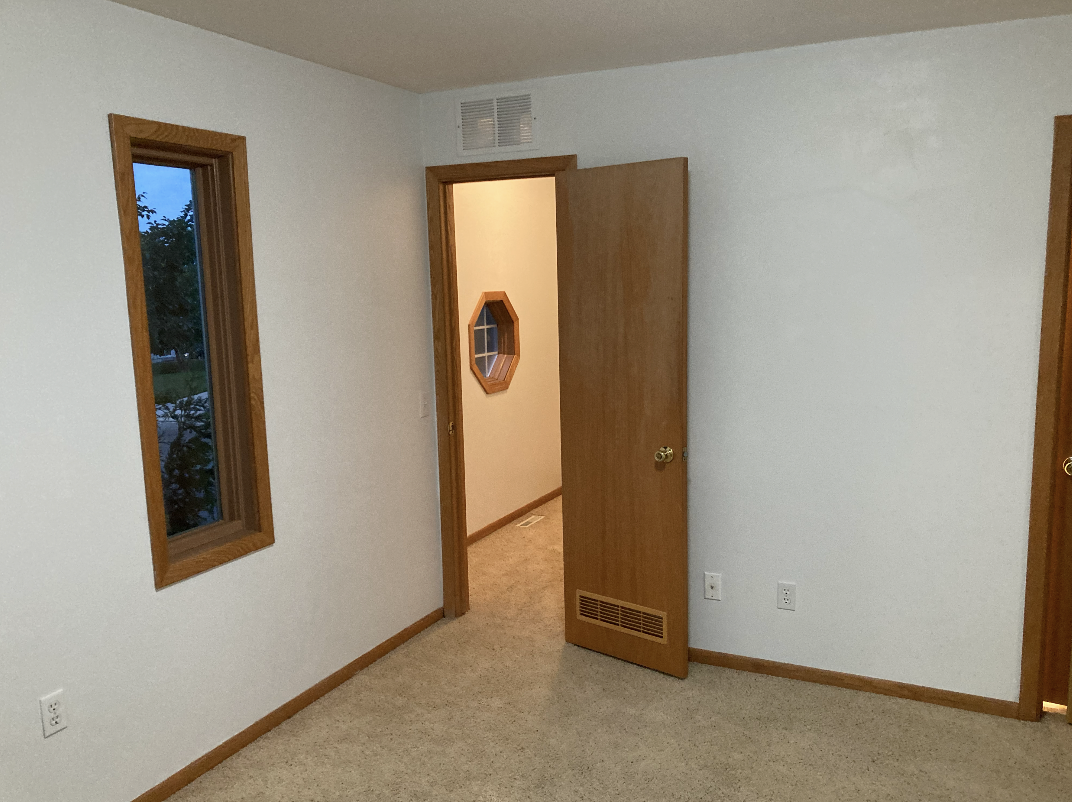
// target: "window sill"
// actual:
[[207, 547]]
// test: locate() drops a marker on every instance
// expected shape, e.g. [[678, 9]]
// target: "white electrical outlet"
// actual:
[[787, 595], [712, 584], [426, 405], [53, 713]]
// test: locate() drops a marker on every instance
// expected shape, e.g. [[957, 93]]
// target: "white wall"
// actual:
[[156, 679], [868, 225], [506, 240]]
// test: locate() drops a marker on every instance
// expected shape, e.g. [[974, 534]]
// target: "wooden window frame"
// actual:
[[509, 342], [221, 191]]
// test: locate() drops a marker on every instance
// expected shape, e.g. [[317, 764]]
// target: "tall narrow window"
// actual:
[[184, 216]]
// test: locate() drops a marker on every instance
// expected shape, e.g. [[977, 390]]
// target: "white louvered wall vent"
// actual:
[[498, 124]]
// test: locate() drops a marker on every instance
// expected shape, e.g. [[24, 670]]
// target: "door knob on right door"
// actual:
[[666, 454]]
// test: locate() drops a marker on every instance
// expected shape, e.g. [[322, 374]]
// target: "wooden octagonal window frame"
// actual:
[[509, 351]]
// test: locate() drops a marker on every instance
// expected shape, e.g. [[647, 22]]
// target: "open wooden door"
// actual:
[[622, 279], [1045, 674]]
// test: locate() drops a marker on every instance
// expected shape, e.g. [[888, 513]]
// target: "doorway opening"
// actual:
[[451, 372], [506, 269]]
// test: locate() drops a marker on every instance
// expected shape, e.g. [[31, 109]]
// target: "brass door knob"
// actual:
[[1067, 465], [666, 454]]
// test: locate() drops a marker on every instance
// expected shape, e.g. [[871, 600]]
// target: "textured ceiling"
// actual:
[[426, 45]]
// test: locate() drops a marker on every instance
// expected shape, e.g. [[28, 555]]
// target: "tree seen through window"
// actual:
[[174, 301]]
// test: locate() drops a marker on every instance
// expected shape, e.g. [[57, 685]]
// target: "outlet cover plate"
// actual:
[[53, 713], [787, 595]]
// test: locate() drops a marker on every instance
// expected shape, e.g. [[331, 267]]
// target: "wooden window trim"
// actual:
[[509, 342], [222, 199]]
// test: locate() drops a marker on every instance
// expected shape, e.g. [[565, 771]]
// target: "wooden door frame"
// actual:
[[446, 345], [1045, 463]]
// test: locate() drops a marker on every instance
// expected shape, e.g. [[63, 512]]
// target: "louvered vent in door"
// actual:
[[496, 123], [632, 619]]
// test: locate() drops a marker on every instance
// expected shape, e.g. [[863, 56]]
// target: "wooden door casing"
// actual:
[[446, 339]]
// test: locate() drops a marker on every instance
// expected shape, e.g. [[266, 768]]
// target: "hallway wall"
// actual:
[[868, 224], [506, 240]]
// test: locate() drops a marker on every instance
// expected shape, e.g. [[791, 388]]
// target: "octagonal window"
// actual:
[[494, 342]]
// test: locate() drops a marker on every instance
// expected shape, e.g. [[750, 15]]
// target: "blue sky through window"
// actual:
[[167, 189]]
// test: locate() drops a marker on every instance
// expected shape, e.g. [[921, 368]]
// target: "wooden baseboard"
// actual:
[[499, 524], [187, 775], [902, 690]]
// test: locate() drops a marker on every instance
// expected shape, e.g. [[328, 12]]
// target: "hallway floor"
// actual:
[[495, 707]]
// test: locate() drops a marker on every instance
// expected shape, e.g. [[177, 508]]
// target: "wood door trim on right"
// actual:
[[1045, 463]]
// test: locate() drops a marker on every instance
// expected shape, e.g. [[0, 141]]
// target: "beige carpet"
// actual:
[[494, 706]]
